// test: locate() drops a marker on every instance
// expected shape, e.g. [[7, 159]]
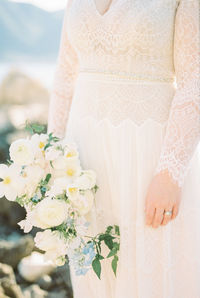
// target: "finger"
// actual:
[[175, 211], [166, 218], [158, 217], [150, 210]]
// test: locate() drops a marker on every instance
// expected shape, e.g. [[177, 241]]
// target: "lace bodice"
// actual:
[[157, 40]]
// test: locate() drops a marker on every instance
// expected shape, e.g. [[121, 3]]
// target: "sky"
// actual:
[[49, 5]]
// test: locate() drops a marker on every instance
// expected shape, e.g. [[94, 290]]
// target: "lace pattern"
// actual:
[[161, 40], [63, 86], [183, 129]]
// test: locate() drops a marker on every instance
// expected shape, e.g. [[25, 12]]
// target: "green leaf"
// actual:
[[34, 128], [114, 250], [96, 265], [101, 237], [29, 129], [117, 232], [48, 177], [9, 162], [99, 246], [38, 128], [109, 229], [95, 188], [47, 146], [21, 200], [100, 257], [114, 264], [109, 241]]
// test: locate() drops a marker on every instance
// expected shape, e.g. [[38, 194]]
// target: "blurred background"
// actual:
[[30, 33]]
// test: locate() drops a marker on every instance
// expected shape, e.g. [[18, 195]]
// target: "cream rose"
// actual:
[[87, 180], [50, 213], [52, 243], [21, 152], [83, 202]]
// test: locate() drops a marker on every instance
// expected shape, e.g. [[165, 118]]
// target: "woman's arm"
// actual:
[[183, 127], [64, 79]]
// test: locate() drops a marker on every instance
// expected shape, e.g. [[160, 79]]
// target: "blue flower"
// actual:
[[88, 248], [89, 252], [82, 270]]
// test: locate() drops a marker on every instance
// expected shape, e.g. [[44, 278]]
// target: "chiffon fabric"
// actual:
[[127, 91]]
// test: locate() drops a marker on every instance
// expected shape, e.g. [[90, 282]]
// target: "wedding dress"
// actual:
[[127, 91]]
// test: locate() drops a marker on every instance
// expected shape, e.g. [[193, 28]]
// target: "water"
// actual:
[[44, 72]]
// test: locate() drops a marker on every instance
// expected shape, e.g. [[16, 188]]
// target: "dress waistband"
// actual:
[[124, 76]]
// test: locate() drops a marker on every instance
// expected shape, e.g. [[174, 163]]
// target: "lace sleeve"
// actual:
[[63, 85], [183, 126]]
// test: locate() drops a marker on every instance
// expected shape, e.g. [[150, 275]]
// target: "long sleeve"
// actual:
[[64, 78], [183, 127]]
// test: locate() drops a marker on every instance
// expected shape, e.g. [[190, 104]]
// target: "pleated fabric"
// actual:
[[153, 263]]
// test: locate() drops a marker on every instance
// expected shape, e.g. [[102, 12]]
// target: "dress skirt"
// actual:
[[153, 263]]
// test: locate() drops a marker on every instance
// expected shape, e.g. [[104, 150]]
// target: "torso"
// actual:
[[102, 5]]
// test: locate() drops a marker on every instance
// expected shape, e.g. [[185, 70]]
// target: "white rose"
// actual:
[[83, 202], [50, 213], [87, 180], [21, 152], [52, 243]]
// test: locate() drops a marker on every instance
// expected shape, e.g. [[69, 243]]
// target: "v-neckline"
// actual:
[[107, 11]]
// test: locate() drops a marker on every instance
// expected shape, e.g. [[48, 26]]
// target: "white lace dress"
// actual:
[[127, 91]]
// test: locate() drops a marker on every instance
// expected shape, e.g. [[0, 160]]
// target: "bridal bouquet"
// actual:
[[44, 175]]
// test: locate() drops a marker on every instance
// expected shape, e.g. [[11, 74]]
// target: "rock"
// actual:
[[45, 282], [62, 280], [60, 294], [34, 266], [12, 212], [12, 252], [61, 276], [18, 88], [11, 289], [8, 286], [34, 291], [6, 271], [2, 294]]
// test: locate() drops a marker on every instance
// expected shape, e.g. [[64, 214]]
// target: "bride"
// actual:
[[127, 91]]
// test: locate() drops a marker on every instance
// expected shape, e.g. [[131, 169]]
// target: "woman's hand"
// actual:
[[163, 195]]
